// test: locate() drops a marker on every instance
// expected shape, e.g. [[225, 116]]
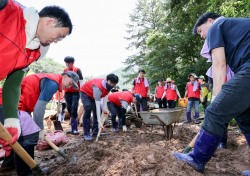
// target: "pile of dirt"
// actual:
[[143, 151]]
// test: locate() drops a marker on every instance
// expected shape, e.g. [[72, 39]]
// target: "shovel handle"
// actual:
[[136, 112], [100, 129], [54, 146], [190, 145], [5, 135]]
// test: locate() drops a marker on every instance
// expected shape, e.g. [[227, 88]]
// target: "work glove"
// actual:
[[184, 99], [148, 94], [12, 125], [42, 134], [201, 99], [124, 128], [106, 112]]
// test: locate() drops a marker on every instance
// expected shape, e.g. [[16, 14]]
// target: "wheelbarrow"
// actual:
[[163, 117]]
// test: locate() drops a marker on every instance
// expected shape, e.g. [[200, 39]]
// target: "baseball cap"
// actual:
[[168, 80], [138, 97], [192, 74], [74, 77], [202, 77]]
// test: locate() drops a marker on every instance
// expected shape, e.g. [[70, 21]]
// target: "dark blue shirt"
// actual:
[[234, 35], [48, 89]]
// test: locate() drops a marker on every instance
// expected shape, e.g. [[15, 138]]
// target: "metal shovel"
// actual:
[[70, 158], [57, 123]]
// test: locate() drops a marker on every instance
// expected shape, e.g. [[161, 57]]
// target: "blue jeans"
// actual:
[[116, 110], [72, 99], [89, 106], [192, 103], [231, 102], [143, 103]]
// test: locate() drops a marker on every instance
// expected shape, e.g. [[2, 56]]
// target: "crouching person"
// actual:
[[118, 103], [36, 91]]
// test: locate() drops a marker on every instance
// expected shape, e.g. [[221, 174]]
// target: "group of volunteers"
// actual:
[[26, 37], [196, 91]]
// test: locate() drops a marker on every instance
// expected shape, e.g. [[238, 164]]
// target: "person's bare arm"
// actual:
[[132, 89], [186, 93], [218, 69]]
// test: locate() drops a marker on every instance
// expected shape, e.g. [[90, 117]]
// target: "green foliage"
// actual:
[[230, 8], [46, 65]]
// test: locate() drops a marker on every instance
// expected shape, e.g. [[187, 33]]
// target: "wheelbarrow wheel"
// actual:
[[138, 123], [128, 123], [169, 131], [134, 120]]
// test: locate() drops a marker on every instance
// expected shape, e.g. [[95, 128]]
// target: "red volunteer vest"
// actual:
[[159, 91], [191, 93], [116, 97], [71, 89], [88, 89], [171, 94], [30, 89], [61, 95], [140, 88], [13, 54]]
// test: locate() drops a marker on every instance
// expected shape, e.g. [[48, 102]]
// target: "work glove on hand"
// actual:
[[124, 128], [106, 112], [148, 94], [12, 125], [201, 99], [42, 134]]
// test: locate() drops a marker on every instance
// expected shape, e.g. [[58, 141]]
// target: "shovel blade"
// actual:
[[38, 171], [58, 125], [71, 158]]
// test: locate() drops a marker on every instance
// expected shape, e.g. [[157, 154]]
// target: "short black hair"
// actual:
[[203, 19], [141, 70], [114, 90], [58, 13], [112, 78], [69, 59]]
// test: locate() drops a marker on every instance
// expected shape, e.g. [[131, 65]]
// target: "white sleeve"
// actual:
[[98, 111]]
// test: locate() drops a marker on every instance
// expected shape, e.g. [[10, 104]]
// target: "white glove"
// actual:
[[12, 125], [213, 97], [124, 128], [42, 133], [98, 112], [201, 99]]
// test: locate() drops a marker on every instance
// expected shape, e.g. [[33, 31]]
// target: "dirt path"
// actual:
[[143, 152]]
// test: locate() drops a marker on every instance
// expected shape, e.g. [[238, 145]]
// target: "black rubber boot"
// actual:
[[223, 142], [22, 168], [8, 163], [188, 117], [196, 116]]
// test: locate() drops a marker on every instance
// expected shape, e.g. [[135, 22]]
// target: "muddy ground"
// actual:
[[141, 151]]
